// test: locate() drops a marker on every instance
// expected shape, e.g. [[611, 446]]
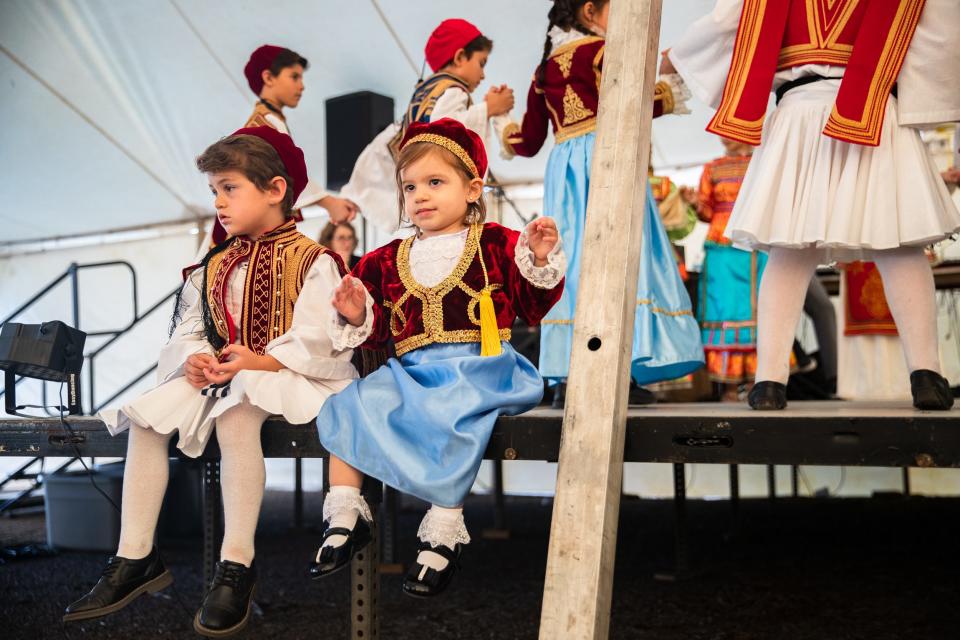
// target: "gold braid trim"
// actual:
[[448, 144], [664, 93]]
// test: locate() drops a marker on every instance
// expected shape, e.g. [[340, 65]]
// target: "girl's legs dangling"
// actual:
[[343, 504]]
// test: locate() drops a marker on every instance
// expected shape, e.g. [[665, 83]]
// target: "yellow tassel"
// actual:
[[489, 332]]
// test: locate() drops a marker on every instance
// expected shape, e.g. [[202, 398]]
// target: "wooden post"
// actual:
[[583, 536]]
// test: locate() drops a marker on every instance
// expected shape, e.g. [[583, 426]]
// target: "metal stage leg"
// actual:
[[365, 576], [735, 497], [390, 533], [211, 518], [680, 552], [298, 493], [499, 530], [771, 482], [795, 480]]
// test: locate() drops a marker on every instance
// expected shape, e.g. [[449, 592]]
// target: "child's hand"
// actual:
[[499, 100], [350, 300], [237, 358], [194, 366], [339, 209], [542, 236], [690, 196]]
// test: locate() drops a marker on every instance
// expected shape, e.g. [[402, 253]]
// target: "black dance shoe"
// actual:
[[930, 390], [768, 396], [121, 582], [332, 559], [226, 607], [640, 395], [433, 582], [559, 395]]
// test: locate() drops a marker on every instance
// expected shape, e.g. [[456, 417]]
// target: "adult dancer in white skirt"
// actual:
[[840, 172], [249, 342]]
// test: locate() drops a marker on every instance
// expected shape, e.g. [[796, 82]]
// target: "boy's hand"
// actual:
[[339, 209], [542, 236], [350, 300], [194, 366], [665, 65], [499, 100], [237, 358]]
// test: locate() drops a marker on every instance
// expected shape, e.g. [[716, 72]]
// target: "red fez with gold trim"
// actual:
[[446, 39], [260, 61], [290, 155], [455, 138]]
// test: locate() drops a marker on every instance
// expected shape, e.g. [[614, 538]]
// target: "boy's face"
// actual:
[[242, 207], [287, 87], [435, 195], [470, 70]]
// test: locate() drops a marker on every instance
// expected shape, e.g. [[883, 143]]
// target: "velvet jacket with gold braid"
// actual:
[[568, 98], [415, 316], [279, 262]]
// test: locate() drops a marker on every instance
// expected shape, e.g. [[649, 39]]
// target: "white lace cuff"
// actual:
[[440, 531], [680, 93], [335, 503], [549, 275], [344, 335]]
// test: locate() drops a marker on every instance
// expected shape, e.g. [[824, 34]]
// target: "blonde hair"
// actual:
[[476, 211]]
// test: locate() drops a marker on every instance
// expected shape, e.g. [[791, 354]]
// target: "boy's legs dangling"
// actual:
[[136, 568], [347, 517], [226, 604]]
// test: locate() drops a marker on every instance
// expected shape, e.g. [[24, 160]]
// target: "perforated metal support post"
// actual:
[[388, 521], [211, 517], [735, 495], [680, 518], [298, 493], [365, 576]]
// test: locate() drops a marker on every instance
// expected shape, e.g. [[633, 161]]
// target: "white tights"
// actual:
[[907, 282], [242, 475]]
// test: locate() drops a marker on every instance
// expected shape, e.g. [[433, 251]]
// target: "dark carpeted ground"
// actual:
[[796, 570]]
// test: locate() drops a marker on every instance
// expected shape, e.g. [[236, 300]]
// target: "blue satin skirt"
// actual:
[[666, 338], [422, 423]]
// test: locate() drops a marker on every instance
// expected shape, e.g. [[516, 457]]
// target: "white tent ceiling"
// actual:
[[106, 103]]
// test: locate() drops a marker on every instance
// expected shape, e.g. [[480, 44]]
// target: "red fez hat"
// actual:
[[455, 138], [260, 61], [290, 155], [446, 39]]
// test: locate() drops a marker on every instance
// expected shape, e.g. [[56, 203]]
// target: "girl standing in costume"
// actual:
[[248, 342], [457, 53], [565, 92], [840, 171], [447, 298]]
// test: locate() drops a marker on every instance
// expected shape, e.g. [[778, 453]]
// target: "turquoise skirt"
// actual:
[[421, 423], [666, 338], [729, 286]]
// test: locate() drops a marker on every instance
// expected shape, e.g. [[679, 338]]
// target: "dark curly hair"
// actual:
[[563, 14]]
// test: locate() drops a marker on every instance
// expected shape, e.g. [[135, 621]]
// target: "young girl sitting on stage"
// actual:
[[248, 342], [447, 297]]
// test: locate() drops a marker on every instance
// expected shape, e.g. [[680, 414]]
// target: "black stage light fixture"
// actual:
[[50, 351]]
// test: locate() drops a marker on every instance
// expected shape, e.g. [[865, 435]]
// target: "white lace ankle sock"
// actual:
[[441, 526], [341, 508]]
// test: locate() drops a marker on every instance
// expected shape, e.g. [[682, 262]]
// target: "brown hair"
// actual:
[[476, 211], [478, 44], [253, 157], [326, 235], [563, 14], [287, 58]]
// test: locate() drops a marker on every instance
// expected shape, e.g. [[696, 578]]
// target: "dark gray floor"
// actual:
[[798, 569]]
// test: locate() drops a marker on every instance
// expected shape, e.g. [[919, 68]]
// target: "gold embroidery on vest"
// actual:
[[573, 108], [565, 61]]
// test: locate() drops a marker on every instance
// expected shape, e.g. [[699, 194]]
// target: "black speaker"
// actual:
[[353, 121], [49, 351]]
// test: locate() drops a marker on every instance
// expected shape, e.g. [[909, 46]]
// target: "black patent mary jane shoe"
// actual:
[[424, 582], [930, 390], [332, 559], [122, 581], [768, 396], [226, 606]]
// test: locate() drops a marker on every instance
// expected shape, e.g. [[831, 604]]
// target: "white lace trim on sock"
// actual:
[[443, 531], [336, 503]]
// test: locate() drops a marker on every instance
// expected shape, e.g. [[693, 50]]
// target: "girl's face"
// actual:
[[470, 70], [343, 241], [287, 87], [436, 196], [242, 207]]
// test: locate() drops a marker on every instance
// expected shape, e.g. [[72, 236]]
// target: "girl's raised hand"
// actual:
[[350, 300], [542, 236]]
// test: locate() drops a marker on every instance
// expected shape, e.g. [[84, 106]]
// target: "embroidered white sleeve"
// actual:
[[346, 336], [549, 275], [681, 93]]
